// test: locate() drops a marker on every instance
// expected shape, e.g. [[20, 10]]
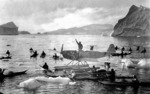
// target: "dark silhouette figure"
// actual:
[[138, 48], [8, 53], [91, 48], [143, 51], [80, 46], [2, 74], [54, 49], [55, 57], [116, 48], [122, 49], [112, 75], [31, 50], [45, 66], [34, 55], [130, 50], [43, 55]]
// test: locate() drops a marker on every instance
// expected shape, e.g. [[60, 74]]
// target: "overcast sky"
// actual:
[[47, 15]]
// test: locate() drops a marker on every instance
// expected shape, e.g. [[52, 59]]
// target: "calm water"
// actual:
[[19, 48]]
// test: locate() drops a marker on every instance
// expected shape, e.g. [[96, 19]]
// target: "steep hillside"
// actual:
[[93, 29], [135, 23], [8, 29]]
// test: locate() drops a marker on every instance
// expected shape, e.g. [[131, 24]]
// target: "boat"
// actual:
[[79, 74], [5, 57], [12, 74], [120, 83]]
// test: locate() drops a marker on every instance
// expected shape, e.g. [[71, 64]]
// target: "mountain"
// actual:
[[93, 29], [135, 23], [8, 29], [24, 32]]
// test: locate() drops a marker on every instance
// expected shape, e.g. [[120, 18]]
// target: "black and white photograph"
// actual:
[[74, 46]]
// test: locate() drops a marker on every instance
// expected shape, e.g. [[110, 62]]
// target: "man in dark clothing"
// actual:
[[112, 75], [80, 46], [45, 66]]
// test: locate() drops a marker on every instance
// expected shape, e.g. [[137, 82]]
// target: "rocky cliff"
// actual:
[[8, 29], [135, 23]]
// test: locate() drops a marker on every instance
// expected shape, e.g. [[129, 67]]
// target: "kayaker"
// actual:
[[54, 49], [45, 66], [1, 72], [130, 50], [31, 50], [122, 49], [143, 51], [55, 57], [112, 75], [7, 53], [116, 48], [138, 48], [43, 54]]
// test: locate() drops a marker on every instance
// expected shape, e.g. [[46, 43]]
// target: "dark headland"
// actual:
[[135, 23]]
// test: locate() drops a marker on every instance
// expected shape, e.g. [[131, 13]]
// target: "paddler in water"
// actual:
[[7, 53], [31, 50], [43, 55], [80, 47], [1, 72], [45, 66]]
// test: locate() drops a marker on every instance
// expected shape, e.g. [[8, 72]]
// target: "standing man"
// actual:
[[80, 47]]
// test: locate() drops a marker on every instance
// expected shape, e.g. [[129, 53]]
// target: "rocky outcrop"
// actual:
[[135, 23], [8, 29]]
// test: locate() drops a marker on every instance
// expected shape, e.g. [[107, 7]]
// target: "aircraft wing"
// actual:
[[92, 54], [74, 55]]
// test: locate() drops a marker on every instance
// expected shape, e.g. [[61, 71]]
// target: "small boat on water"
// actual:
[[80, 74], [12, 74], [109, 83], [5, 57]]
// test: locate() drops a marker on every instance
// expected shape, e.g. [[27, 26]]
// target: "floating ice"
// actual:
[[126, 63], [34, 83]]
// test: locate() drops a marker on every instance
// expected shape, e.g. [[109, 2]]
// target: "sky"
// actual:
[[48, 15]]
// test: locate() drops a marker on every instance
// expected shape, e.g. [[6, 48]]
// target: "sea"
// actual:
[[19, 46]]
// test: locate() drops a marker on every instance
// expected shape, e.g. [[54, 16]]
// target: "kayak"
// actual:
[[125, 83], [12, 74], [5, 57], [86, 78]]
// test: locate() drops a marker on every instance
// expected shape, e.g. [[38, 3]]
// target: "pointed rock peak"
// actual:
[[132, 9]]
